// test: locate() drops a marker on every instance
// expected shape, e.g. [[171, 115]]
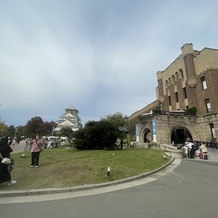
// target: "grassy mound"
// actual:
[[61, 168]]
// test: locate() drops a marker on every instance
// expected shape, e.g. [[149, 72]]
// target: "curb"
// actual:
[[32, 192]]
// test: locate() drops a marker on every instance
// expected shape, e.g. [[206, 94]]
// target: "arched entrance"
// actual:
[[147, 135], [180, 135]]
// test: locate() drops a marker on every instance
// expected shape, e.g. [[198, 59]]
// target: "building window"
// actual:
[[186, 68], [203, 83], [173, 79], [176, 76], [166, 83], [184, 92], [181, 73], [177, 97], [169, 100], [212, 130], [208, 105]]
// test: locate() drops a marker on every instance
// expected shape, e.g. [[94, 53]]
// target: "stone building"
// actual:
[[186, 106], [69, 119], [134, 122]]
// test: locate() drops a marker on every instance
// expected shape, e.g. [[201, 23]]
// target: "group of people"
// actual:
[[194, 149], [36, 146], [46, 143]]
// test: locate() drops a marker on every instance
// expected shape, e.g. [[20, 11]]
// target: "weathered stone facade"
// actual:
[[188, 82], [195, 128], [134, 118]]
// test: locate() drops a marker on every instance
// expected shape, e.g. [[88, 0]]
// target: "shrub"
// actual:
[[96, 135]]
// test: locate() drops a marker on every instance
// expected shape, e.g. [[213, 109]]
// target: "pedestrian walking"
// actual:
[[203, 148], [27, 146]]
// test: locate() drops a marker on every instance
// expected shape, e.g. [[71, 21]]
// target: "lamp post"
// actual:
[[52, 131], [123, 130], [15, 133]]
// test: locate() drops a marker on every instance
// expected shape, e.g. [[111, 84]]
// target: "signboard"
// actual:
[[154, 130], [137, 132]]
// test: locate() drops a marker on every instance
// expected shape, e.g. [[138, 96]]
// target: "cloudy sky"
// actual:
[[100, 56]]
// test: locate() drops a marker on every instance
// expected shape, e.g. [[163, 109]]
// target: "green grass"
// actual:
[[61, 168]]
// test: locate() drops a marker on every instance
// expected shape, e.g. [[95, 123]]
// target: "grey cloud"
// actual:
[[99, 56]]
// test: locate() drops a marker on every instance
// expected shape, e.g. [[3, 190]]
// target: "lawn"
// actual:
[[62, 168]]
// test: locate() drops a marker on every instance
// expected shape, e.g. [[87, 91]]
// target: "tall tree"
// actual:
[[118, 119], [3, 129], [11, 131], [35, 126], [21, 131], [49, 127]]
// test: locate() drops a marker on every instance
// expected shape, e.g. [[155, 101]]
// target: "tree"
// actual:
[[120, 122], [20, 131], [3, 129], [96, 135], [68, 132], [11, 131], [49, 127], [35, 126], [80, 140]]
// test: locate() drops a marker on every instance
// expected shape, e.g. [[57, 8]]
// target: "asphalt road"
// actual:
[[189, 190]]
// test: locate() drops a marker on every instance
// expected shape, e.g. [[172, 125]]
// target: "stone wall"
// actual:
[[134, 118]]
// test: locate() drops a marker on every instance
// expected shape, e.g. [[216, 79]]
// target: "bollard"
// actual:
[[108, 171]]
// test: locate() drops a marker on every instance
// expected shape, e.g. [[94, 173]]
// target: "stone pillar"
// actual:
[[160, 88]]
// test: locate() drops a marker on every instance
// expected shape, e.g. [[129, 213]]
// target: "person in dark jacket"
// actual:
[[5, 150]]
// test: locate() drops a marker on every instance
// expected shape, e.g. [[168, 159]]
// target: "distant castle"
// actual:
[[69, 119]]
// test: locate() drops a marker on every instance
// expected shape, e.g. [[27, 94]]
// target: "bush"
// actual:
[[96, 135], [191, 111]]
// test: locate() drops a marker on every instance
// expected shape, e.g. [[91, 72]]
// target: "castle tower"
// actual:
[[188, 57], [160, 89], [69, 119]]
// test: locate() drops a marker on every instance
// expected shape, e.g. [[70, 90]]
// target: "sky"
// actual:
[[99, 56]]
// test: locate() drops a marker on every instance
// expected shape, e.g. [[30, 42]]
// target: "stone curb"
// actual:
[[44, 191]]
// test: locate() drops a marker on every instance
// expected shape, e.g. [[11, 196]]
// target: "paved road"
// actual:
[[18, 147], [189, 190]]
